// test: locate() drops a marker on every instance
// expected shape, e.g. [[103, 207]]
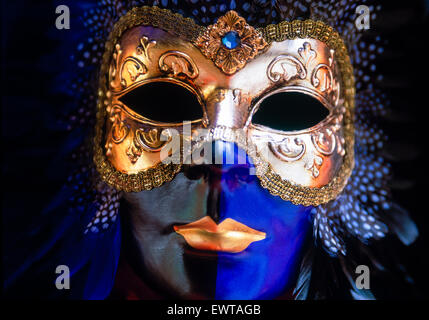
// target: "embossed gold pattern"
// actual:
[[179, 64], [307, 67]]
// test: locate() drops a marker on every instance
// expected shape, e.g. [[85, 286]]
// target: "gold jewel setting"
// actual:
[[230, 60]]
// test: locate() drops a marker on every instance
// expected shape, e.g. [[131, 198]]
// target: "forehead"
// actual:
[[164, 56]]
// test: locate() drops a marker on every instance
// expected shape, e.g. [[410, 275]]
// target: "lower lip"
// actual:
[[214, 255], [200, 253]]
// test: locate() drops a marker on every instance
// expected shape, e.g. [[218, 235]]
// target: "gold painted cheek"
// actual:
[[307, 167]]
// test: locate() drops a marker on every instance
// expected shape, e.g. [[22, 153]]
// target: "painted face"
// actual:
[[265, 269], [207, 221]]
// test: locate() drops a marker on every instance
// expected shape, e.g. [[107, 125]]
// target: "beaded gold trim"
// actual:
[[187, 29]]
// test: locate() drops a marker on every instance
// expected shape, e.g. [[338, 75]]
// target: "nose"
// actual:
[[227, 107], [231, 168]]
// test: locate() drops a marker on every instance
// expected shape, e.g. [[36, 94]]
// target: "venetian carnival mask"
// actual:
[[222, 76], [242, 88]]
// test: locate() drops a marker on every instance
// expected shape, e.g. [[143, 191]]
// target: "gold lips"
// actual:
[[228, 236]]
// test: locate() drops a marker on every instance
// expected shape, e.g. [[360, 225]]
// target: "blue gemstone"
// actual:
[[231, 40]]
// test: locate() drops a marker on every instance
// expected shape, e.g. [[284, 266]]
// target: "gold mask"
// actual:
[[231, 68]]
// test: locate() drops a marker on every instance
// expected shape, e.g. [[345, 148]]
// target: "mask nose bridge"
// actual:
[[227, 108]]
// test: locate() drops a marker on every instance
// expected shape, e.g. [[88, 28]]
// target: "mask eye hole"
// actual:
[[290, 111], [163, 102]]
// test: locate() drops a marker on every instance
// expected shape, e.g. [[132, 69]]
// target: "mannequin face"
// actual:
[[283, 94], [265, 269]]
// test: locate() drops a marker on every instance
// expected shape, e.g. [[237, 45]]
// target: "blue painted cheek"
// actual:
[[267, 268]]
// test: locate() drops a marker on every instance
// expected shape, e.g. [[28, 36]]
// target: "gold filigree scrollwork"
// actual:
[[134, 151], [144, 46], [150, 140], [133, 66], [324, 141], [307, 54], [135, 69], [322, 76], [286, 152], [327, 77], [291, 67], [116, 83], [120, 128], [314, 165], [147, 141], [178, 64]]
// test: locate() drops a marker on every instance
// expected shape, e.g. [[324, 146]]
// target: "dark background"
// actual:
[[32, 136]]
